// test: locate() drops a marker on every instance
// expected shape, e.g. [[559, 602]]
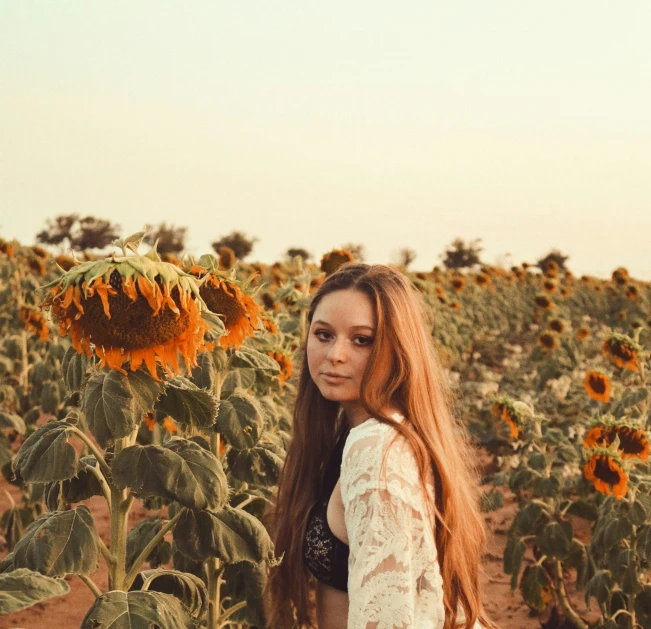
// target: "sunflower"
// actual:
[[40, 252], [551, 268], [332, 260], [597, 385], [622, 351], [441, 299], [458, 284], [565, 292], [548, 340], [582, 333], [605, 470], [285, 363], [35, 265], [549, 286], [224, 296], [504, 408], [269, 301], [7, 248], [439, 290], [632, 292], [130, 308], [153, 417], [269, 324], [633, 441], [542, 301], [455, 305], [34, 322], [557, 325], [620, 276], [482, 279]]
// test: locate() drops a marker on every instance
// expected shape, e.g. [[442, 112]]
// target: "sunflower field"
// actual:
[[132, 384]]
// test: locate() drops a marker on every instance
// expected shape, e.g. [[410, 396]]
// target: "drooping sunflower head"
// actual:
[[226, 258], [133, 308], [66, 262], [285, 363], [548, 340], [225, 296], [506, 409], [332, 260], [7, 248], [550, 286], [582, 333], [597, 386], [605, 469], [558, 325], [543, 302], [34, 322], [551, 268], [623, 351]]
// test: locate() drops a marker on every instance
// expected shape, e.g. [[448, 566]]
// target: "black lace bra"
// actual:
[[326, 556]]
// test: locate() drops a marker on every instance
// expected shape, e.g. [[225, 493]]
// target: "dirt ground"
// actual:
[[507, 609]]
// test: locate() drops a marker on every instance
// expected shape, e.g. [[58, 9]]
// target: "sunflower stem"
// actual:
[[93, 448], [91, 585], [572, 616], [120, 505]]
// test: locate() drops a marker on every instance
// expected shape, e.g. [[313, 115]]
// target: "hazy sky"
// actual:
[[526, 124]]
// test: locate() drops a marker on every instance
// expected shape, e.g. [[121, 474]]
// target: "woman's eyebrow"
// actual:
[[354, 327]]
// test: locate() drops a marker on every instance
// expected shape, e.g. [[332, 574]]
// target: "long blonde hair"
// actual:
[[404, 372]]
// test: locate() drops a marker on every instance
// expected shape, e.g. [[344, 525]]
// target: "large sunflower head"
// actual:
[[597, 386], [225, 296], [622, 350], [606, 471], [133, 308], [332, 260]]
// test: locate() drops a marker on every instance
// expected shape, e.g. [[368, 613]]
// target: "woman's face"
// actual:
[[339, 342]]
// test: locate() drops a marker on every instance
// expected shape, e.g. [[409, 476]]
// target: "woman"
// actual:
[[378, 496]]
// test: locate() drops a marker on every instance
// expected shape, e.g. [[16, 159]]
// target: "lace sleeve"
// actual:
[[393, 578]]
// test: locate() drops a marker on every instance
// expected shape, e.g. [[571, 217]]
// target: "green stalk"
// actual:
[[568, 610], [120, 506], [213, 564]]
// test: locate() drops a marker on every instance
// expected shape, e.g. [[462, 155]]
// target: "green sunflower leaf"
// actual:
[[23, 588], [187, 403]]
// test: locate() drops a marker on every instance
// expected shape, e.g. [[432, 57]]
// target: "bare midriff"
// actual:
[[331, 607]]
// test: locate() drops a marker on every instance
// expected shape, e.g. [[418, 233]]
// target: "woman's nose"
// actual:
[[337, 351]]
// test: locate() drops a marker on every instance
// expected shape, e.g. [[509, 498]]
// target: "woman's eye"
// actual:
[[365, 339]]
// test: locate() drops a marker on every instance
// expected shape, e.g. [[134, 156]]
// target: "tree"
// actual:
[[556, 256], [297, 251], [358, 251], [89, 232], [406, 256], [238, 242], [170, 239], [461, 255]]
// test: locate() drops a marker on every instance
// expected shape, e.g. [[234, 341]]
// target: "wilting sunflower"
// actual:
[[35, 265], [130, 308], [269, 301], [604, 468], [7, 248], [316, 282], [620, 276], [633, 439], [332, 260], [40, 252], [550, 286], [557, 325], [269, 325], [548, 340], [154, 417], [439, 290], [66, 262], [542, 301], [622, 351], [597, 385], [225, 297], [504, 408], [285, 363], [34, 322], [582, 333], [551, 268], [565, 292]]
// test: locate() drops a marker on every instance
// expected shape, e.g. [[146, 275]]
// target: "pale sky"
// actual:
[[393, 124]]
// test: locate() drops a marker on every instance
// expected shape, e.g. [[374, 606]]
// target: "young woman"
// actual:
[[378, 496]]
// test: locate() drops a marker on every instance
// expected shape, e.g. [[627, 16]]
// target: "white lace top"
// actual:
[[394, 579]]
